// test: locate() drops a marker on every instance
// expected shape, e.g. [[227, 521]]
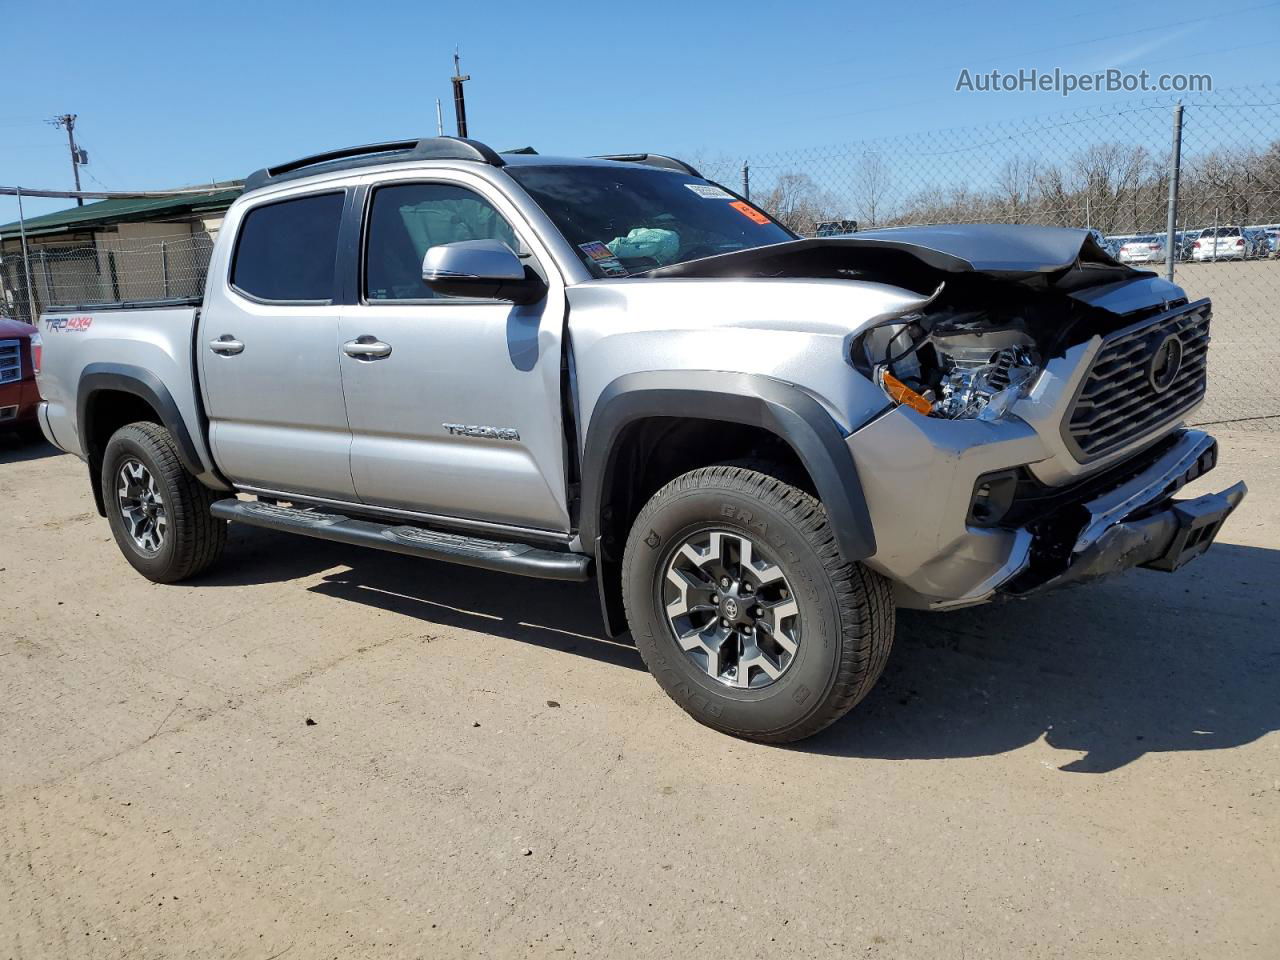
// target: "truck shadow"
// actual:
[[564, 617], [15, 448], [1142, 663]]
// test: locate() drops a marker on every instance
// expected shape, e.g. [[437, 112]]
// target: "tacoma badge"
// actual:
[[493, 433]]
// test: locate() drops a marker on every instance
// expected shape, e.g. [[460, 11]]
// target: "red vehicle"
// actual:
[[20, 349]]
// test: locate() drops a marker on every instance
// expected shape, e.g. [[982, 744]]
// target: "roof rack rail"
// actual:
[[431, 148], [652, 160]]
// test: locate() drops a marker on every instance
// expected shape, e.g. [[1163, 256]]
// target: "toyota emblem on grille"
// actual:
[[1165, 362]]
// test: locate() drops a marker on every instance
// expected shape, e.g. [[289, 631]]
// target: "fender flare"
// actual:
[[783, 409], [142, 383]]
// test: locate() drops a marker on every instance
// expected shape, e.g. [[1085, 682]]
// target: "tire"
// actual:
[[180, 537], [839, 627]]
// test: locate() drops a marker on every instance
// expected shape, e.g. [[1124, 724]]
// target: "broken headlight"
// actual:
[[957, 368]]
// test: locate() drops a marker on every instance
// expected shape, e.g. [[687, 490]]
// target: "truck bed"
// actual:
[[137, 348]]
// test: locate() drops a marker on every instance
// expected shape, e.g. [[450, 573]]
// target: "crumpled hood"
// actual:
[[1009, 251]]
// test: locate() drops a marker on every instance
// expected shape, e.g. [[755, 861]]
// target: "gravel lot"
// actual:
[[321, 751]]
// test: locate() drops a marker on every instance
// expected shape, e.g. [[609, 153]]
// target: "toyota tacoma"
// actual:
[[758, 445]]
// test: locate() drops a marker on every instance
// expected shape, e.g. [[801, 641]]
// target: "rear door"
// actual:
[[461, 417], [268, 347]]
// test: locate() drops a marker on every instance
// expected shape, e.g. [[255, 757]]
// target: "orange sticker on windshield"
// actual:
[[750, 212]]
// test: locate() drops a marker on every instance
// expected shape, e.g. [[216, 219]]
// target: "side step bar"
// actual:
[[497, 555]]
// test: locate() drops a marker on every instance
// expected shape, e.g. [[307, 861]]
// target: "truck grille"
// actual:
[[1131, 390], [10, 361]]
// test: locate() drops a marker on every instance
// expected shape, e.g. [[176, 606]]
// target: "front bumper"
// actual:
[[1163, 540], [921, 499]]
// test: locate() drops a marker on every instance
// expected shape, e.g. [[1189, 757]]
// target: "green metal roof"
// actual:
[[132, 210]]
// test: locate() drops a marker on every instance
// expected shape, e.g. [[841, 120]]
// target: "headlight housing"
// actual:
[[953, 367]]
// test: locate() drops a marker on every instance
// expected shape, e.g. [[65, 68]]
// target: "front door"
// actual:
[[454, 403], [269, 351]]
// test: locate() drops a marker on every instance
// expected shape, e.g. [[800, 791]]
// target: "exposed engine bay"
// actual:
[[978, 345], [999, 304], [953, 364]]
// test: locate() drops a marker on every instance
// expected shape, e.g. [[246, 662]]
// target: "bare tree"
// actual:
[[719, 167], [1016, 184], [796, 202], [870, 188]]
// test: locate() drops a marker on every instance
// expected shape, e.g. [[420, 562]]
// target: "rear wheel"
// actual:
[[159, 512], [743, 609]]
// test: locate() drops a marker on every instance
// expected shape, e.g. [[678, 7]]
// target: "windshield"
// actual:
[[625, 220]]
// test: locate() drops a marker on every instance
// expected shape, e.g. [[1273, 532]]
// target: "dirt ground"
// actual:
[[1244, 393], [321, 751]]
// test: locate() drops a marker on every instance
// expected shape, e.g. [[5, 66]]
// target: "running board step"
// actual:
[[497, 555]]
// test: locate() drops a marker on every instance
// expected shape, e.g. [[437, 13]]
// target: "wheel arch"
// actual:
[[756, 403], [110, 395]]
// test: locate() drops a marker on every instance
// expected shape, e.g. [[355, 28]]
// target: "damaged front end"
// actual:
[[1123, 518], [1034, 396]]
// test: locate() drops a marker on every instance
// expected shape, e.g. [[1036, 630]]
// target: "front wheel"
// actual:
[[159, 512], [743, 609]]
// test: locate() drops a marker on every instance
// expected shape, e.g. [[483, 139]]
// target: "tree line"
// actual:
[[1117, 188]]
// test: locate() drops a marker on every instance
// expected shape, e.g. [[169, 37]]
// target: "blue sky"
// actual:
[[169, 94]]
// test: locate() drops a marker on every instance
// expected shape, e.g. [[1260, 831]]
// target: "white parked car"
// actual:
[[1148, 249], [1229, 243]]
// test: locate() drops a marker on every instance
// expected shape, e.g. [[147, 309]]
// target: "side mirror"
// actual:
[[480, 268]]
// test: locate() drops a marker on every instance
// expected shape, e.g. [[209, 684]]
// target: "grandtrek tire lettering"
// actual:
[[742, 516]]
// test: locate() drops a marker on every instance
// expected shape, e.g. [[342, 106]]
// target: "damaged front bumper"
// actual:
[[924, 479], [1135, 523]]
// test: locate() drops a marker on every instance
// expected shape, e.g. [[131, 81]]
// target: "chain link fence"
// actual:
[[1107, 168], [108, 270]]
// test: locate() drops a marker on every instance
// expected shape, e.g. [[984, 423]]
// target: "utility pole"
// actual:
[[459, 98], [78, 156]]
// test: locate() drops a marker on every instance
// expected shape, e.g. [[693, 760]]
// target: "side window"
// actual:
[[406, 220], [286, 250]]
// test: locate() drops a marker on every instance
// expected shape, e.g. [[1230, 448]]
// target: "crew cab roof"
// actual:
[[440, 148]]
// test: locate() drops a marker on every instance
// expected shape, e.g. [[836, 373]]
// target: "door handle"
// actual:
[[366, 348], [227, 345]]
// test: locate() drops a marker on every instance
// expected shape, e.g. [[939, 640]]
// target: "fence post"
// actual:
[[115, 276], [746, 179], [26, 262], [164, 267], [1175, 164]]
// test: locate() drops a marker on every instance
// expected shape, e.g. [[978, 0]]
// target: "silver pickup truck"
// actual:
[[758, 445]]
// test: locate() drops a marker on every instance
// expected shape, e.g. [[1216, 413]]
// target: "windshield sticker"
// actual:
[[596, 250], [709, 192], [613, 268], [750, 212]]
